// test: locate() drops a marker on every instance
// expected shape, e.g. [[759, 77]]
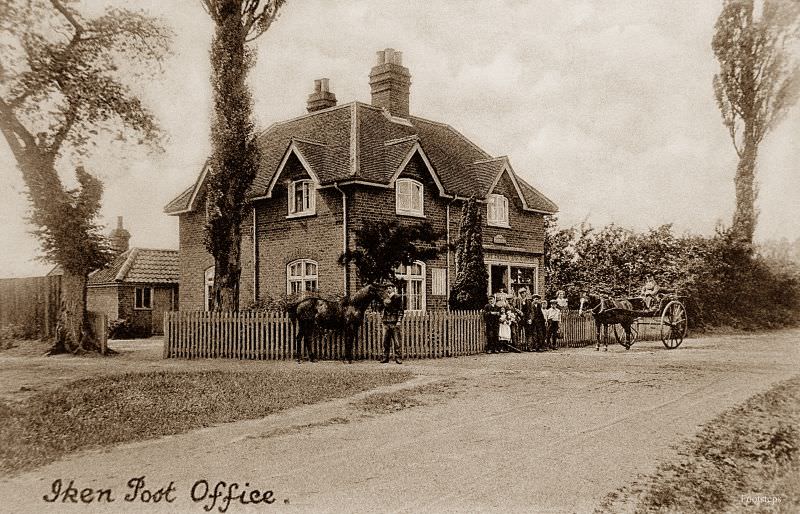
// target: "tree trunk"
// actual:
[[74, 333], [227, 272], [745, 215]]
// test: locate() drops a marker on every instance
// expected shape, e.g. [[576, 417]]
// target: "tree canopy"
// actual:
[[60, 86], [384, 245]]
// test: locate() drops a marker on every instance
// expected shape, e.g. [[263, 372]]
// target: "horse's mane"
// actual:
[[362, 297]]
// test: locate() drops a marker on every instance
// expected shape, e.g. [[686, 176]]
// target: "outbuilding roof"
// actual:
[[141, 266]]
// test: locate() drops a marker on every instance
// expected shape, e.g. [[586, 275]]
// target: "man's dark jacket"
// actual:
[[393, 309]]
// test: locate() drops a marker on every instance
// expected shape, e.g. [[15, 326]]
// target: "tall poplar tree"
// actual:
[[472, 279], [235, 156], [757, 84]]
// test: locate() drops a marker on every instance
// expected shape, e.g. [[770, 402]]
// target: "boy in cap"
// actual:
[[553, 321]]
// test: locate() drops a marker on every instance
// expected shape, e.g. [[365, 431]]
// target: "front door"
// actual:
[[498, 277], [163, 300]]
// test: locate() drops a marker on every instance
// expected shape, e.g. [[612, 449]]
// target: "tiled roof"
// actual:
[[357, 141], [139, 265]]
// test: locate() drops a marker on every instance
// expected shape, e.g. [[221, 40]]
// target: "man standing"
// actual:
[[491, 323], [553, 321], [392, 314], [537, 326], [526, 306]]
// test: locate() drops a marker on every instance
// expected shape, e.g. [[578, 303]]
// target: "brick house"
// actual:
[[337, 167], [139, 286]]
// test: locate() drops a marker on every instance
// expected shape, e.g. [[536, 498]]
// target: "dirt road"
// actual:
[[503, 433]]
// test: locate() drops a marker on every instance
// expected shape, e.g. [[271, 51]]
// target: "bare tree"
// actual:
[[59, 86], [758, 82], [235, 156]]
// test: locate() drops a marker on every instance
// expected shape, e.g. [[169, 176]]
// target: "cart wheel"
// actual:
[[673, 324], [634, 331]]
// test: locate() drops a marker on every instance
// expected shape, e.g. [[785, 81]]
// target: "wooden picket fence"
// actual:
[[270, 335]]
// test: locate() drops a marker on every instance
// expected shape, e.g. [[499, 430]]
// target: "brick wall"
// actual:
[[282, 240], [193, 260], [103, 299], [372, 204]]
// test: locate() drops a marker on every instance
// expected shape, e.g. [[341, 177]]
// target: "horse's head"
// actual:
[[362, 298]]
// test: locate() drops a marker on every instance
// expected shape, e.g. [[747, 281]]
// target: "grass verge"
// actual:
[[97, 412], [745, 460], [384, 403]]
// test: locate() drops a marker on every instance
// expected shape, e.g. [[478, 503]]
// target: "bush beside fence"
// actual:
[[270, 335]]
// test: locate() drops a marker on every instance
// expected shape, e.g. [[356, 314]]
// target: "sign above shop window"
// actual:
[[499, 239]]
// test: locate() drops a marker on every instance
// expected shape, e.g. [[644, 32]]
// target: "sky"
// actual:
[[606, 107]]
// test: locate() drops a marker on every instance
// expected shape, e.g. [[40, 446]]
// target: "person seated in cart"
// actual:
[[649, 290]]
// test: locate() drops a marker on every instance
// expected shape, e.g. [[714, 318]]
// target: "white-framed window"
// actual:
[[208, 281], [497, 210], [143, 298], [408, 197], [301, 275], [302, 198], [412, 285]]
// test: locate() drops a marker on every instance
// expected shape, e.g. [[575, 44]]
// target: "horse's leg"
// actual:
[[597, 331], [309, 342], [349, 337], [301, 329], [605, 338]]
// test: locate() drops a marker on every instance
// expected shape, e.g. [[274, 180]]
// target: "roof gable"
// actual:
[[360, 143], [310, 155]]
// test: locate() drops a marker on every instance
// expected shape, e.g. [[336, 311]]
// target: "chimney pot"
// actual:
[[322, 97], [390, 83], [119, 222]]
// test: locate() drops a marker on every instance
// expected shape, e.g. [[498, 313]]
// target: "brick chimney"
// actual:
[[390, 83], [321, 98], [119, 238]]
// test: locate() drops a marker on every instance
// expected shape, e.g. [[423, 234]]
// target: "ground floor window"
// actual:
[[143, 298], [411, 285], [301, 275], [512, 277]]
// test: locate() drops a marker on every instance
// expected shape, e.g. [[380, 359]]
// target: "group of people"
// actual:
[[535, 322]]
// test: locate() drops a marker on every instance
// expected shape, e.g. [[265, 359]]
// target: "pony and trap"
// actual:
[[666, 306]]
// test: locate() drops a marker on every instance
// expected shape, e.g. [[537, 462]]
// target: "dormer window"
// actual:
[[302, 198], [497, 211], [408, 197]]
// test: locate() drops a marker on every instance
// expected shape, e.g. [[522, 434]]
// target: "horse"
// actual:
[[609, 311], [345, 316]]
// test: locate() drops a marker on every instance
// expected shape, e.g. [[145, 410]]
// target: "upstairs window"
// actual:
[[301, 276], [408, 196], [497, 211], [302, 200]]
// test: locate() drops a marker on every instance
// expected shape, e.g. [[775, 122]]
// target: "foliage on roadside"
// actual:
[[740, 455], [727, 282], [108, 410]]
